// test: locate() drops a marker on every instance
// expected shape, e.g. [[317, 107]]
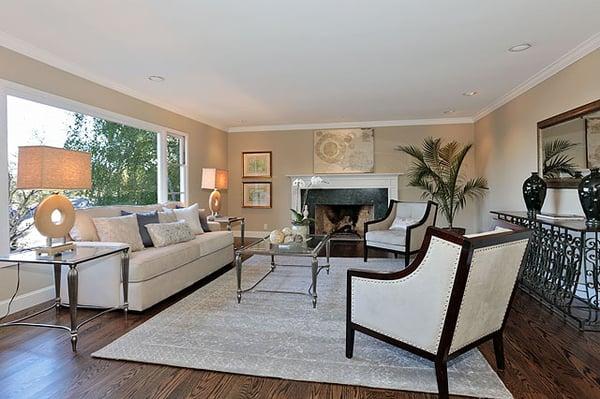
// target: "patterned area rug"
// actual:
[[281, 335]]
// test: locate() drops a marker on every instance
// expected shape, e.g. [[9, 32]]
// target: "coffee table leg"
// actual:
[[238, 272], [272, 262], [327, 253], [72, 282], [315, 269]]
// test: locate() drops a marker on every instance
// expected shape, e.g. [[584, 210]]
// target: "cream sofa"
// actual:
[[154, 273]]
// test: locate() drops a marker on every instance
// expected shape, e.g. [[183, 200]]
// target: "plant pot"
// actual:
[[300, 229], [459, 231], [534, 194], [589, 196]]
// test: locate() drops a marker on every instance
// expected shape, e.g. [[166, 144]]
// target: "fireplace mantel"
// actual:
[[388, 181]]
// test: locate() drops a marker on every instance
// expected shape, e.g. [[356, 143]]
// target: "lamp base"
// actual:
[[56, 249], [214, 202]]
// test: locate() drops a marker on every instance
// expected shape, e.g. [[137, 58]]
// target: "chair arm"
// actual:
[[383, 223], [408, 305]]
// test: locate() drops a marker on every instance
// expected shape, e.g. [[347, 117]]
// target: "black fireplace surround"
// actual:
[[378, 197]]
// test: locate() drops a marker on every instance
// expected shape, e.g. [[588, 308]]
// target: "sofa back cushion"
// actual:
[[144, 218], [84, 228], [122, 229], [164, 234]]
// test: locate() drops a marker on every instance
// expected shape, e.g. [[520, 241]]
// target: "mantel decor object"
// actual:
[[589, 196], [534, 194], [51, 168]]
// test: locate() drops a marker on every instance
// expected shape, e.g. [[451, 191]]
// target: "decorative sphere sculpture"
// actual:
[[276, 237]]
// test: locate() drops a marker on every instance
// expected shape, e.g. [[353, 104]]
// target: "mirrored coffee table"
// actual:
[[308, 249]]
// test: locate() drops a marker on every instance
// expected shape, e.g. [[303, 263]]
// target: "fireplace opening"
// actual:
[[342, 221]]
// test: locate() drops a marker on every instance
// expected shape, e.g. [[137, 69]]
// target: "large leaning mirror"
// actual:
[[569, 145]]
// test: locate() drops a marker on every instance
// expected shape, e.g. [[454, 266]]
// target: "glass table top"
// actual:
[[311, 247], [80, 254]]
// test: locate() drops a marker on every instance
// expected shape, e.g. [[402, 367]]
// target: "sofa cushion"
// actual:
[[144, 218], [153, 261], [84, 228], [388, 237], [164, 234]]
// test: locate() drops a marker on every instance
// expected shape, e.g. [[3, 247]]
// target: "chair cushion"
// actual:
[[153, 261], [387, 237], [401, 223]]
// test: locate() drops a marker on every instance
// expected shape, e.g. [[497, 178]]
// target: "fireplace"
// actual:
[[342, 221]]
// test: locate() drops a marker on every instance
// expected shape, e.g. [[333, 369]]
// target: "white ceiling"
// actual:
[[280, 62]]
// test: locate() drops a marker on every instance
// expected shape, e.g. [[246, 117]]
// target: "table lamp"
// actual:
[[50, 168], [214, 179]]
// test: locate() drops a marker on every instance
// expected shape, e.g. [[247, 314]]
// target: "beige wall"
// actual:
[[207, 145], [293, 154], [506, 139]]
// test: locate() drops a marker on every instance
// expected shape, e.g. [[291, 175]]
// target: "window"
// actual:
[[176, 167], [127, 166]]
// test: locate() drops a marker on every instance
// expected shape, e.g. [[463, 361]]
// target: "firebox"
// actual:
[[342, 221]]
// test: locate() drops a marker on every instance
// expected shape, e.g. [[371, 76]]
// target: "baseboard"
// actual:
[[251, 234], [27, 300]]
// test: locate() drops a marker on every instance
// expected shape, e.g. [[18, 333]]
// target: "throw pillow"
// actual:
[[122, 229], [204, 220], [144, 218], [191, 216], [164, 234], [167, 216]]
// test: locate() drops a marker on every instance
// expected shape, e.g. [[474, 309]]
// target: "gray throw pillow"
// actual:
[[204, 220], [144, 218]]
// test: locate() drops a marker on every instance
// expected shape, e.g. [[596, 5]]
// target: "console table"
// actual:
[[562, 269]]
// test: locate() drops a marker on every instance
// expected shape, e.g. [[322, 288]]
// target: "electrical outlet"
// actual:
[[266, 226]]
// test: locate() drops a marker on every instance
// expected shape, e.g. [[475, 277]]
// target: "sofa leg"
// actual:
[[441, 373], [499, 350], [349, 341]]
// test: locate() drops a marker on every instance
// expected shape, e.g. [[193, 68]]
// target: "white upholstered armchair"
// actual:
[[402, 229], [454, 296]]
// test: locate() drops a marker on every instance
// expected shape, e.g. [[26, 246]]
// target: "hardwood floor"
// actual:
[[545, 359]]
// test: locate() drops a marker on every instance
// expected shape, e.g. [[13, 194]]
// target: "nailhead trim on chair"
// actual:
[[474, 263], [410, 276]]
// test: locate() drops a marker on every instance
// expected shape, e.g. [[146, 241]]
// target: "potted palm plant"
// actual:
[[436, 170]]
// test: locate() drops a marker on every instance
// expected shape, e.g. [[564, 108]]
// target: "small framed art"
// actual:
[[256, 164], [256, 195]]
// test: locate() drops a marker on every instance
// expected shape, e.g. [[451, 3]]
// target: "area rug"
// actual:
[[281, 335]]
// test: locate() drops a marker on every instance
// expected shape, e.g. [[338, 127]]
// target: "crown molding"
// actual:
[[583, 49], [32, 51], [349, 125]]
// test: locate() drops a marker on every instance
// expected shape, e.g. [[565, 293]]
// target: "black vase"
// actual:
[[589, 196], [534, 194]]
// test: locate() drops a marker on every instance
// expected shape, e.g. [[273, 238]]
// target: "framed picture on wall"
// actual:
[[256, 164], [256, 195]]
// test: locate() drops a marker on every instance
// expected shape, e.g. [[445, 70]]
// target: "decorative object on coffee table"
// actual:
[[589, 196], [436, 170], [214, 179], [534, 193], [256, 164], [256, 195], [51, 168]]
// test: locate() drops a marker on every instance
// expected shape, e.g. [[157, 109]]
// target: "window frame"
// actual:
[[8, 88]]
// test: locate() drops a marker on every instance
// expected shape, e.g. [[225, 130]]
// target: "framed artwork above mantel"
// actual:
[[344, 151]]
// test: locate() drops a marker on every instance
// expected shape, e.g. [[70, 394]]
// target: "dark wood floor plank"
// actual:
[[546, 358]]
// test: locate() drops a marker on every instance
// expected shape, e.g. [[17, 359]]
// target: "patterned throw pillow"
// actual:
[[123, 229], [164, 234]]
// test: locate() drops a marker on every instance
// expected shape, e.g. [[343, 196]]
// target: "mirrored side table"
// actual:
[[71, 259]]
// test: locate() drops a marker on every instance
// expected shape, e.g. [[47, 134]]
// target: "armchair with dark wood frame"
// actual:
[[403, 244], [455, 295]]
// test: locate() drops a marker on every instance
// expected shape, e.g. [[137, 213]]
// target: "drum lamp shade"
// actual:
[[215, 179]]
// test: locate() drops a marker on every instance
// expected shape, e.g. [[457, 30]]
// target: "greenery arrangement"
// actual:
[[436, 170], [298, 219], [556, 161]]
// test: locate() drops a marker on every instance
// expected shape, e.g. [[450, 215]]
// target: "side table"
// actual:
[[230, 220], [71, 259]]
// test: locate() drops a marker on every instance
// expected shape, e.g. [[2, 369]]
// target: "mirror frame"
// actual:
[[566, 116]]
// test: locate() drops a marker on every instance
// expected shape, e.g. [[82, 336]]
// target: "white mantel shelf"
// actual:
[[388, 181]]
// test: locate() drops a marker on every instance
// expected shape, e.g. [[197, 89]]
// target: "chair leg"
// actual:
[[366, 252], [499, 350], [441, 373], [349, 341], [406, 258]]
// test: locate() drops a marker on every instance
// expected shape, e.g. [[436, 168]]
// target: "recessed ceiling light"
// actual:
[[449, 111], [470, 93], [156, 78], [520, 47]]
